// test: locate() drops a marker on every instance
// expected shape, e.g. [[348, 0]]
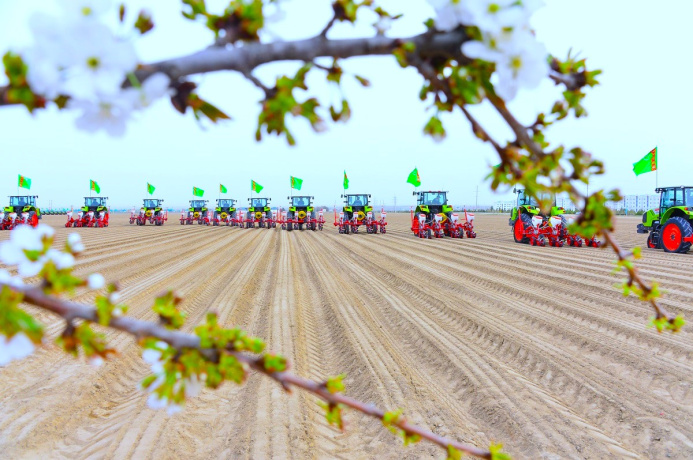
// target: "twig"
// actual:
[[182, 340]]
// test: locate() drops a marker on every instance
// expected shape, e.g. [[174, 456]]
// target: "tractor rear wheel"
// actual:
[[673, 234], [521, 224]]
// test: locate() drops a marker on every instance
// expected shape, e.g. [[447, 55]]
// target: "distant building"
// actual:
[[640, 202], [504, 206]]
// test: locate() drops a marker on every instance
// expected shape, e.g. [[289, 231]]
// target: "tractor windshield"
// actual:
[[300, 201], [434, 198], [21, 201], [225, 203], [151, 203], [357, 200], [197, 203], [89, 201], [258, 202], [525, 200]]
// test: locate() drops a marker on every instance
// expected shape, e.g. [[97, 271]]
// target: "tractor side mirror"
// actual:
[[369, 195], [342, 196], [413, 193]]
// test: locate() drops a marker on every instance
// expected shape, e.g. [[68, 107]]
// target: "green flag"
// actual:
[[198, 191], [94, 186], [647, 164], [414, 178], [222, 189], [255, 187], [23, 182], [346, 181], [150, 188], [296, 183]]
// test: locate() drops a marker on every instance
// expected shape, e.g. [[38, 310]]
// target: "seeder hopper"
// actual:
[[151, 211], [357, 212], [197, 212], [302, 215], [22, 210], [225, 213], [260, 213], [434, 218], [531, 226], [94, 213]]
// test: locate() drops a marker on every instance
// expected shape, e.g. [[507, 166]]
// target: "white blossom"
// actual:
[[61, 260], [6, 278], [96, 361], [495, 15], [96, 281], [153, 88], [114, 297], [383, 24], [110, 113], [25, 238], [522, 64], [74, 242], [99, 61], [16, 347], [80, 9], [450, 14]]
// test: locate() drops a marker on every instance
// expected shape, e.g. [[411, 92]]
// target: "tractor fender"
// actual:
[[677, 212]]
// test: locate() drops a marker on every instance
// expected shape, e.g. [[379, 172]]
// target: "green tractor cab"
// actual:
[[671, 226], [22, 209], [256, 208], [527, 207], [432, 203], [224, 212]]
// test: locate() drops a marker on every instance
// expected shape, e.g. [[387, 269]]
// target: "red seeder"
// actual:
[[373, 225], [87, 219], [441, 226]]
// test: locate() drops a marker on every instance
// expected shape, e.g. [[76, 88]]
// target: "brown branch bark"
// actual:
[[180, 340]]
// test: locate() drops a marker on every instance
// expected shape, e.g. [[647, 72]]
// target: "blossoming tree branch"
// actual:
[[472, 52]]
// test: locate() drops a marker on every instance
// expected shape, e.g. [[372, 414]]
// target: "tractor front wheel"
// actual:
[[652, 242], [521, 224], [673, 234]]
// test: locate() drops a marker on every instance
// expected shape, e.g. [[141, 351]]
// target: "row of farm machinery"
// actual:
[[669, 227]]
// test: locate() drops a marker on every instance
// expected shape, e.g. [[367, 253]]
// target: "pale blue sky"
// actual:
[[644, 101]]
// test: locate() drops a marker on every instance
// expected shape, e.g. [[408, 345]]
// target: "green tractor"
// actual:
[[197, 212], [152, 211], [225, 212], [434, 217], [259, 212], [669, 227], [22, 210], [531, 226], [301, 214], [525, 209]]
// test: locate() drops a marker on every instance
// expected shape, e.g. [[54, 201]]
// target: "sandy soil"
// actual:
[[483, 340]]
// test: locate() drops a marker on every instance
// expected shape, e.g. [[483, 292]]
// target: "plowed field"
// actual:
[[483, 340]]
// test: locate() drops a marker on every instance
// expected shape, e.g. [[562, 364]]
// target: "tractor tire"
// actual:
[[428, 233], [347, 227], [653, 241], [523, 221], [673, 233]]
